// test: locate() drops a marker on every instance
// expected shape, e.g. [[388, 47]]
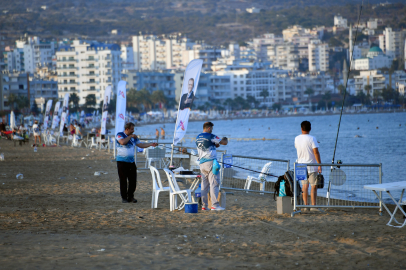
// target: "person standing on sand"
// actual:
[[37, 133], [127, 170], [308, 152], [162, 133], [207, 143]]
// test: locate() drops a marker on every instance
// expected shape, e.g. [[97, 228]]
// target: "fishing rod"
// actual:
[[268, 174], [346, 82]]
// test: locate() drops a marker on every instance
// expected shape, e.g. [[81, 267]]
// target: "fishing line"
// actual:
[[268, 174], [348, 76]]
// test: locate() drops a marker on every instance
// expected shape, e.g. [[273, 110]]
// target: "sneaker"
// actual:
[[124, 201], [304, 209], [314, 209], [132, 200], [218, 208], [205, 209]]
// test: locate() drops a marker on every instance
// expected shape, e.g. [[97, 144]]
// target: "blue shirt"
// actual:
[[206, 146], [125, 153]]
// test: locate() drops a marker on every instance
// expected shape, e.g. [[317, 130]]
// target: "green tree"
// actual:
[[326, 98], [12, 99], [264, 94], [240, 103], [276, 106], [158, 96], [341, 88], [74, 99], [252, 100], [376, 94], [230, 103], [23, 102], [309, 92], [90, 101], [34, 108]]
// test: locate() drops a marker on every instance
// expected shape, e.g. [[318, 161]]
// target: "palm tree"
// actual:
[[90, 101], [74, 99], [341, 88], [376, 95], [12, 99], [264, 94], [368, 89], [327, 97], [309, 92]]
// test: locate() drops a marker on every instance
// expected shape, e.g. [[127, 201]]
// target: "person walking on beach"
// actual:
[[37, 133], [207, 143], [127, 170], [162, 133], [308, 152]]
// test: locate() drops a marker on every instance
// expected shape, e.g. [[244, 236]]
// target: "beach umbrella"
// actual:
[[12, 120]]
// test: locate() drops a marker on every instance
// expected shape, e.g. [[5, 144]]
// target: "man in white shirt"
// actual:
[[37, 133], [308, 152]]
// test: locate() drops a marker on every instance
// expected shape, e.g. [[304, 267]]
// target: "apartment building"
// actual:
[[284, 56], [371, 77], [88, 68], [208, 54], [13, 83], [339, 21], [127, 57], [29, 54], [392, 43], [261, 44], [151, 81], [318, 56], [165, 52], [43, 90]]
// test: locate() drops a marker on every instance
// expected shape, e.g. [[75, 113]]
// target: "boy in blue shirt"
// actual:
[[207, 143], [126, 142]]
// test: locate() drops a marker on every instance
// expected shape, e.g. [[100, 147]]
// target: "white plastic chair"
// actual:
[[92, 143], [175, 190], [261, 179], [154, 155], [157, 187]]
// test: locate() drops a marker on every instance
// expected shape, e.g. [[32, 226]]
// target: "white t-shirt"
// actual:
[[304, 145], [35, 130]]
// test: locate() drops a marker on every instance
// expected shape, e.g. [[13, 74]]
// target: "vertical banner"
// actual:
[[120, 106], [190, 82], [82, 117], [106, 102], [55, 119], [65, 111], [47, 110]]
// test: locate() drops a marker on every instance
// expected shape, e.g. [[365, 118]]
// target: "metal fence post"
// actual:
[[287, 169], [380, 192], [222, 170], [294, 187]]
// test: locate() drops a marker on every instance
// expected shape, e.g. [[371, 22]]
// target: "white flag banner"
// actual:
[[65, 111], [120, 106], [190, 82], [55, 119], [47, 110], [106, 102]]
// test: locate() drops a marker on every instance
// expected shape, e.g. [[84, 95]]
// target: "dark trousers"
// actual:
[[127, 171]]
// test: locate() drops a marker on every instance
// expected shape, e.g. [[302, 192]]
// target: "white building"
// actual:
[[392, 43], [152, 52], [260, 45], [372, 24], [376, 80], [88, 68], [339, 21], [253, 10], [284, 56], [375, 59], [318, 56], [127, 57]]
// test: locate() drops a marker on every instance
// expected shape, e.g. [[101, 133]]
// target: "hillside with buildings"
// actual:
[[253, 57]]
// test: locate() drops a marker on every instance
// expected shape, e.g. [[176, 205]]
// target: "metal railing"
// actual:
[[251, 174], [343, 186]]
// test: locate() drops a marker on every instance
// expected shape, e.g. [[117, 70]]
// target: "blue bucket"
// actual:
[[191, 208]]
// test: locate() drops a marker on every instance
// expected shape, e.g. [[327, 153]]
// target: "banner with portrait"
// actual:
[[65, 112], [47, 110], [121, 106], [105, 108], [189, 87], [55, 118]]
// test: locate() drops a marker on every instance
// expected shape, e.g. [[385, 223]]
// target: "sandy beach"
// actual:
[[61, 216]]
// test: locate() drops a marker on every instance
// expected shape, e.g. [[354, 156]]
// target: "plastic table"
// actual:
[[388, 187]]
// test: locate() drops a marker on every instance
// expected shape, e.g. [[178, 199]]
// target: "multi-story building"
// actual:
[[29, 54], [392, 43], [339, 21], [43, 90], [127, 57], [374, 78], [284, 56], [261, 43], [152, 52], [88, 68], [15, 83], [151, 81], [375, 59], [318, 56], [208, 54]]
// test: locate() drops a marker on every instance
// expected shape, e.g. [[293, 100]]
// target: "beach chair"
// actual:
[[261, 179], [157, 187], [175, 190], [76, 141]]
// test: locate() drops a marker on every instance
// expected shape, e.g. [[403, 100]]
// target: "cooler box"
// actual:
[[191, 208]]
